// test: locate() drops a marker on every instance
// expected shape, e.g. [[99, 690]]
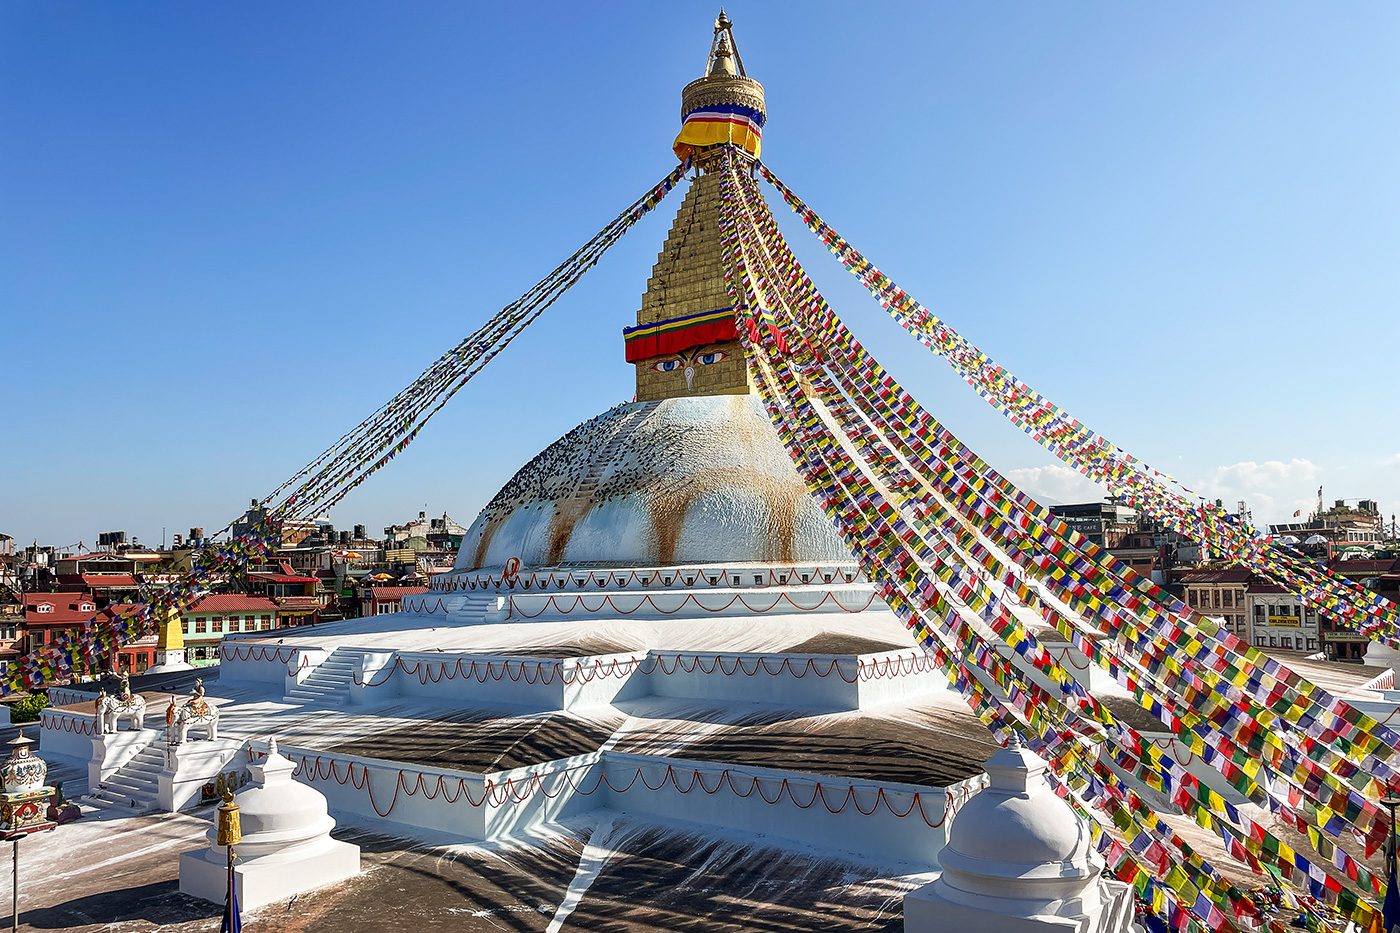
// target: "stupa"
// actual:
[[692, 471], [651, 620], [286, 846], [657, 592]]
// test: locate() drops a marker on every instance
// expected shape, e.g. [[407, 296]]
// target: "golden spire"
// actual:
[[720, 63], [723, 92], [722, 48]]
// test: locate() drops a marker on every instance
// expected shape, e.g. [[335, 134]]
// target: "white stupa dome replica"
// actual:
[[286, 846], [1018, 860], [678, 480]]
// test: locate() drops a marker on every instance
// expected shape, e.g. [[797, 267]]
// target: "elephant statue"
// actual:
[[194, 713], [111, 709]]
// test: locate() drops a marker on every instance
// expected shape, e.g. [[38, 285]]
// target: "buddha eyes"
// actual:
[[704, 359]]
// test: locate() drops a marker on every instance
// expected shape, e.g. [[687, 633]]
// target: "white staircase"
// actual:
[[474, 607], [329, 684], [134, 785]]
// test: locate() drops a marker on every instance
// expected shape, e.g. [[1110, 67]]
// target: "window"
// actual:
[[201, 625], [1272, 642], [1191, 597], [1285, 642], [44, 608], [266, 624], [1259, 641], [1229, 596], [247, 623], [1312, 644], [1217, 598], [267, 618], [184, 626], [219, 624], [1258, 612]]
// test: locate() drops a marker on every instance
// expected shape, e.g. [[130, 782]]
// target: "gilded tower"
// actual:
[[685, 342]]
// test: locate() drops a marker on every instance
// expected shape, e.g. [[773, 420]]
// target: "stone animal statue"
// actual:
[[111, 709], [194, 713]]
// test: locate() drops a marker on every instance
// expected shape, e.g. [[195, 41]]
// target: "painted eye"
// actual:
[[705, 359], [667, 366]]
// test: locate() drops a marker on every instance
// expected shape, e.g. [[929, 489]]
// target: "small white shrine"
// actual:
[[1019, 860], [286, 846]]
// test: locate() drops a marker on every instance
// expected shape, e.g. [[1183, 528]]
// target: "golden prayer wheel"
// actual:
[[230, 834]]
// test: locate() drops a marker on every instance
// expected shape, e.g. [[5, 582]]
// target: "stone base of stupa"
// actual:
[[170, 660], [928, 911], [204, 872]]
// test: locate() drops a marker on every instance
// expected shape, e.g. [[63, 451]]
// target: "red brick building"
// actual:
[[380, 600]]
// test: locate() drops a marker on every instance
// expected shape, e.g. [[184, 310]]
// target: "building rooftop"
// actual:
[[233, 602], [396, 592], [1227, 575], [67, 608], [121, 580]]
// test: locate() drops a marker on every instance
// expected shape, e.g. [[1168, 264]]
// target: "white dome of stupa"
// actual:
[[1016, 842], [278, 813], [681, 480], [286, 846]]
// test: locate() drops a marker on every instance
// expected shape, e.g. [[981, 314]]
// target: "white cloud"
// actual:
[[1056, 484], [1273, 490]]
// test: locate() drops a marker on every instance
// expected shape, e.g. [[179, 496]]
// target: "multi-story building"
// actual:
[[381, 600], [1339, 525], [1105, 523], [295, 594], [47, 614], [1376, 575], [205, 624], [1219, 593], [1278, 619], [135, 656]]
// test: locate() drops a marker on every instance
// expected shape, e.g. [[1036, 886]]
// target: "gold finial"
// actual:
[[733, 99], [230, 834], [723, 48], [721, 65]]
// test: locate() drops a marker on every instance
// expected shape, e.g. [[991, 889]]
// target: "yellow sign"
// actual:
[[1286, 621]]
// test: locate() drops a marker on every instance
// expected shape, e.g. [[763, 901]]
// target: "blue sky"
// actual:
[[227, 232]]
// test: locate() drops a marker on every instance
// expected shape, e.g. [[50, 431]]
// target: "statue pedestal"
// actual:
[[111, 752], [25, 812], [189, 767]]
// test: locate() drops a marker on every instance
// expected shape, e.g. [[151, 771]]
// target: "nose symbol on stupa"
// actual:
[[689, 375]]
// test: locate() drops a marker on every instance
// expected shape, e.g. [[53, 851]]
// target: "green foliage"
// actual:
[[27, 709]]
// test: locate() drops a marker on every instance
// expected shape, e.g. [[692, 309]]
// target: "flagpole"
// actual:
[[230, 834]]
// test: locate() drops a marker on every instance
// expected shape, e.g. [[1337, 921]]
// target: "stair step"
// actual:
[[143, 772]]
